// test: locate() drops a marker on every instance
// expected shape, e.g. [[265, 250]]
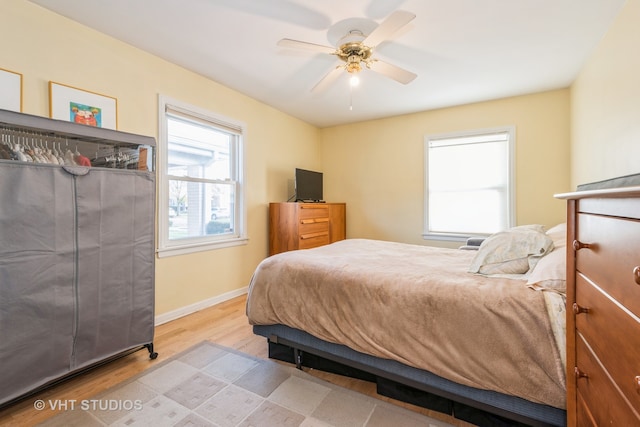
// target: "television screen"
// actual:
[[308, 186]]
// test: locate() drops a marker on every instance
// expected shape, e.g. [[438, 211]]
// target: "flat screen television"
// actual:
[[308, 186]]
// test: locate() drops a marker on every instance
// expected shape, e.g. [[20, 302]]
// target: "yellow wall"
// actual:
[[47, 47], [606, 104], [377, 167]]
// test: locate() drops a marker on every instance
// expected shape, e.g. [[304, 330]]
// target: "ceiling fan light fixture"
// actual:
[[354, 80], [353, 64]]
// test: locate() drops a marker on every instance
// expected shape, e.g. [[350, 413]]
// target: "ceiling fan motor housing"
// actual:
[[353, 52]]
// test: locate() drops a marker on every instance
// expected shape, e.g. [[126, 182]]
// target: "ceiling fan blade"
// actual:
[[297, 44], [328, 79], [388, 27], [396, 73]]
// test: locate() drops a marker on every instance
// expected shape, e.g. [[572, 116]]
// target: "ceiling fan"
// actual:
[[355, 49]]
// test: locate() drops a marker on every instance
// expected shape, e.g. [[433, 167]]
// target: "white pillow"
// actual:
[[514, 251], [558, 234], [550, 273]]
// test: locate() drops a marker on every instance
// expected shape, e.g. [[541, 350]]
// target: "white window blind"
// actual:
[[469, 183]]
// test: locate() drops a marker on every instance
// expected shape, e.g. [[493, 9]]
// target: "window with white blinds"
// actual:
[[200, 180], [469, 183]]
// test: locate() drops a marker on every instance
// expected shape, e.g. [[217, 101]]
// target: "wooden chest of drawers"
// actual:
[[305, 225], [603, 307]]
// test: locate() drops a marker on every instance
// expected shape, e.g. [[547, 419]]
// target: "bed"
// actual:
[[473, 331]]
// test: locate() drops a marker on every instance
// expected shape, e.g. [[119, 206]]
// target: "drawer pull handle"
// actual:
[[579, 374], [577, 309], [313, 206], [637, 382], [577, 245], [313, 235], [313, 220], [636, 274]]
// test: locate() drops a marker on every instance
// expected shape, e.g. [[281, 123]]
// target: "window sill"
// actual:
[[193, 248], [446, 237]]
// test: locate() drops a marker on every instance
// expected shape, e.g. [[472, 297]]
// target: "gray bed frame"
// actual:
[[481, 407]]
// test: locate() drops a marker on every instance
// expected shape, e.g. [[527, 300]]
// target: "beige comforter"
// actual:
[[417, 305]]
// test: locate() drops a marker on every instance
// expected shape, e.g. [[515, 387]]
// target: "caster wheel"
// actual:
[[153, 355]]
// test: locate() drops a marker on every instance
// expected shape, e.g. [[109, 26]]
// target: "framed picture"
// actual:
[[10, 90], [81, 106]]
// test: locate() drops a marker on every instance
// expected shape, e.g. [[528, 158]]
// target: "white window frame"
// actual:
[[510, 191], [167, 247]]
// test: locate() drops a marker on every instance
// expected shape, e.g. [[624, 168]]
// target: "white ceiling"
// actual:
[[463, 51]]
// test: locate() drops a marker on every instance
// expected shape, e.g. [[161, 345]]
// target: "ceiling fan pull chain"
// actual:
[[350, 98]]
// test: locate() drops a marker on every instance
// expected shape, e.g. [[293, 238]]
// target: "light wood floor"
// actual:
[[225, 324]]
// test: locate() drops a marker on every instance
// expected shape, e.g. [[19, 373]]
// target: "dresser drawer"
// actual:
[[583, 414], [315, 210], [612, 256], [312, 240], [623, 207], [605, 404], [614, 336], [307, 226]]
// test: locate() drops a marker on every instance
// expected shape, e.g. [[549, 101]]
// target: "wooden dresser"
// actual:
[[603, 307], [305, 225]]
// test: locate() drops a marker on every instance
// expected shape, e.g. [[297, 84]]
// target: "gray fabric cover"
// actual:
[[621, 181], [76, 270]]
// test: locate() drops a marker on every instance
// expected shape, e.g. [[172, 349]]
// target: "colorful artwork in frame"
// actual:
[[10, 90], [81, 106], [85, 114]]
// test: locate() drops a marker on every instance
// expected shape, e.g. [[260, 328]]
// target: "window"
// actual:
[[469, 184], [200, 173]]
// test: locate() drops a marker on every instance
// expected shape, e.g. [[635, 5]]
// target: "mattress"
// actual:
[[418, 306]]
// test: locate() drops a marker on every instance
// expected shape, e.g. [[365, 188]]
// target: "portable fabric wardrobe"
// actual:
[[76, 254]]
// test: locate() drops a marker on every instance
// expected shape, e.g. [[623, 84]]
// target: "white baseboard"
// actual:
[[192, 308]]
